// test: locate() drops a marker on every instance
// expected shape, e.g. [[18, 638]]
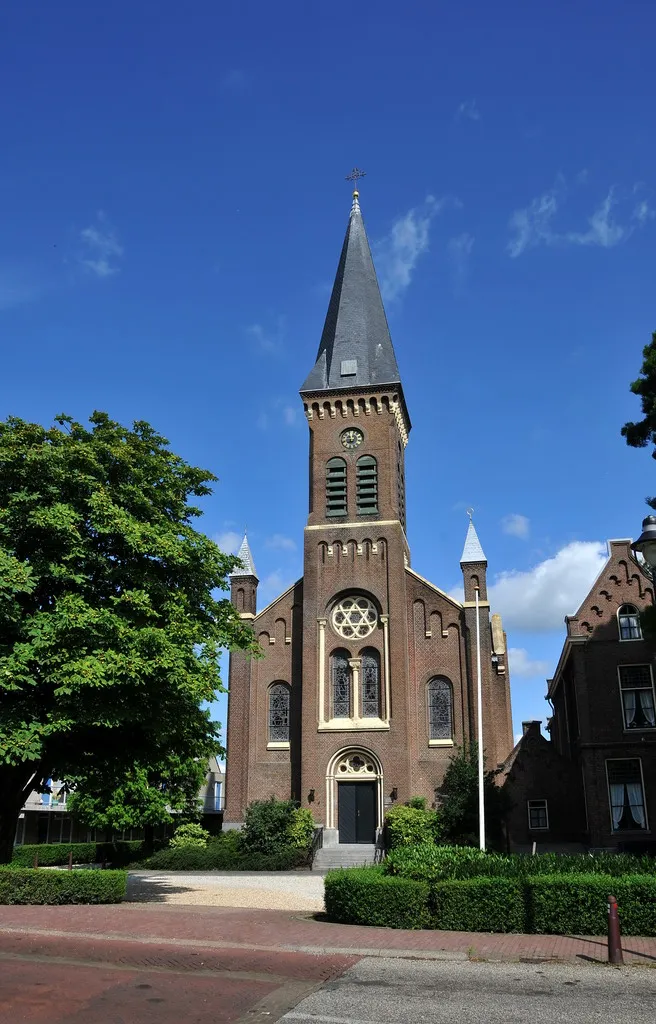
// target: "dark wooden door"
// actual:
[[356, 812]]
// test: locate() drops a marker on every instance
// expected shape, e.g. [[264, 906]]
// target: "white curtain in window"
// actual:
[[629, 697], [647, 706], [634, 791], [616, 802]]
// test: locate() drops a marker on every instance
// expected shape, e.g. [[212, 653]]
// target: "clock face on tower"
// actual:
[[351, 438]]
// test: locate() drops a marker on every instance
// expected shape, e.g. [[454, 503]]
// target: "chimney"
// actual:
[[532, 727]]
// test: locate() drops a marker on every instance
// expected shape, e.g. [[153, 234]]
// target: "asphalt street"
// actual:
[[388, 991]]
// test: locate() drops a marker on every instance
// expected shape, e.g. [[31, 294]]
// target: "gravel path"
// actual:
[[275, 890]]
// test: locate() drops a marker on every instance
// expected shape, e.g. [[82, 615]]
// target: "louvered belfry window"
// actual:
[[367, 485], [279, 713], [370, 683], [336, 487], [440, 709]]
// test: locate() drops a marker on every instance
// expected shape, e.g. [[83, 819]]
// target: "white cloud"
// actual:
[[272, 586], [289, 415], [532, 225], [281, 543], [522, 665], [228, 541], [101, 248], [268, 339], [468, 109], [397, 254], [515, 525], [459, 249], [539, 599]]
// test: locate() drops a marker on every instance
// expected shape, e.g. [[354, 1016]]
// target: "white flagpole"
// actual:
[[479, 708]]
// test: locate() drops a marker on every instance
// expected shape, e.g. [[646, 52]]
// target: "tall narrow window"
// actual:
[[367, 485], [440, 709], [336, 487], [279, 713], [341, 684], [629, 620], [626, 794], [637, 691], [370, 683]]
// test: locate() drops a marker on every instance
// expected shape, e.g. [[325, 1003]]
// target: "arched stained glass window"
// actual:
[[440, 709], [341, 683], [370, 683], [279, 713]]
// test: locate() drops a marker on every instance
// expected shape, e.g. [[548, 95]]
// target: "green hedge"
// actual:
[[577, 904], [427, 862], [118, 853], [220, 856], [553, 904], [367, 896], [409, 826], [25, 885], [478, 905]]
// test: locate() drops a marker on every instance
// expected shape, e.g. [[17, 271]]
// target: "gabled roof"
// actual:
[[356, 348], [246, 558], [472, 551]]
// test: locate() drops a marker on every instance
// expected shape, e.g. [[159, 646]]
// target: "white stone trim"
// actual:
[[332, 781]]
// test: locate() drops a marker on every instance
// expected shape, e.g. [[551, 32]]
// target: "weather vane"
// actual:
[[355, 174]]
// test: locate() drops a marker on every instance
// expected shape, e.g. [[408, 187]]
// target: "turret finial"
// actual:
[[354, 176]]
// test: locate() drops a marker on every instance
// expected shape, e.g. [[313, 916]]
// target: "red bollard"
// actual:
[[36, 860], [614, 941], [70, 860]]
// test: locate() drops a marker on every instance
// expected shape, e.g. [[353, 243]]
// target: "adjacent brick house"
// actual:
[[368, 675], [595, 781]]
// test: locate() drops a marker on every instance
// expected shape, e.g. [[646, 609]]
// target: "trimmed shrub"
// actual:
[[268, 825], [367, 896], [577, 904], [478, 905], [118, 853], [188, 835], [300, 831], [410, 826], [223, 854], [25, 885]]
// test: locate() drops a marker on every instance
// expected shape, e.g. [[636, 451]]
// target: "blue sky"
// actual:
[[172, 205]]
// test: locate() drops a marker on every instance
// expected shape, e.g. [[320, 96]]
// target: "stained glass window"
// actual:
[[440, 709], [370, 683], [279, 713], [341, 679]]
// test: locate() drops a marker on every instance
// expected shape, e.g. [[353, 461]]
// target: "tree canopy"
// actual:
[[458, 809], [110, 623], [643, 433]]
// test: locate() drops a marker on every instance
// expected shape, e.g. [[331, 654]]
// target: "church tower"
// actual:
[[366, 686]]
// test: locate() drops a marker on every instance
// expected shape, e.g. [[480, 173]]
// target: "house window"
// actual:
[[341, 684], [440, 709], [637, 689], [538, 815], [367, 485], [629, 621], [218, 795], [279, 713], [336, 487], [626, 794], [370, 683]]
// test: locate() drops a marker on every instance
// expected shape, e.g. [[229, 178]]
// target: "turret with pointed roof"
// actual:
[[244, 582], [246, 558], [472, 551], [473, 564], [356, 348]]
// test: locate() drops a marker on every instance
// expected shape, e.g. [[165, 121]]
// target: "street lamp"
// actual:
[[645, 545]]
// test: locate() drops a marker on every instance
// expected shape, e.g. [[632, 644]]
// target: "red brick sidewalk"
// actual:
[[220, 928]]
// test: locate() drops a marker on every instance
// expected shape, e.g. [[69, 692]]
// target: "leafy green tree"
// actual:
[[110, 624], [458, 810], [643, 433]]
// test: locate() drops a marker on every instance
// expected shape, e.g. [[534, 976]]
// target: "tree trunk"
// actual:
[[14, 790]]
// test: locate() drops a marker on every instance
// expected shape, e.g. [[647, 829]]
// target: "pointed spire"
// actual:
[[356, 347], [246, 558], [472, 551]]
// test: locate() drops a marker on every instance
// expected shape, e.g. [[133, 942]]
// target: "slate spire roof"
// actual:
[[246, 558], [356, 347], [472, 551]]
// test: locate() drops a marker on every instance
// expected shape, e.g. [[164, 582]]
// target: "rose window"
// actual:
[[354, 617]]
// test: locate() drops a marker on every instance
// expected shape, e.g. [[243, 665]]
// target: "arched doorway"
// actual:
[[354, 787]]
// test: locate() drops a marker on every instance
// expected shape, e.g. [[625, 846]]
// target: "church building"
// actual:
[[369, 676]]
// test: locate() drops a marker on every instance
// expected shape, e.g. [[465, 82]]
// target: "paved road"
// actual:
[[391, 991]]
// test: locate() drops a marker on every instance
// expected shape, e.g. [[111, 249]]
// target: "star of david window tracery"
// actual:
[[354, 617]]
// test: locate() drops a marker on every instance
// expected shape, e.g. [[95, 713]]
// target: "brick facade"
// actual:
[[590, 728]]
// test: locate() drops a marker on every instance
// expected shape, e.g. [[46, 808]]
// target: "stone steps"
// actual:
[[344, 855]]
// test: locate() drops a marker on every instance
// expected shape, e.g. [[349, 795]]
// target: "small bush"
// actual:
[[577, 904], [225, 853], [367, 896], [409, 826], [189, 835], [25, 885], [271, 826], [418, 802], [478, 905], [300, 831]]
